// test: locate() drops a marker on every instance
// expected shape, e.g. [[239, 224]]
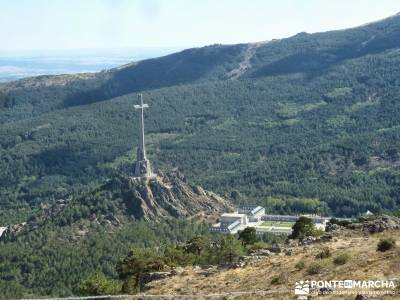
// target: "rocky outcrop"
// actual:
[[155, 198], [332, 227], [10, 232], [381, 224], [275, 248], [372, 224], [260, 252], [166, 195], [152, 276], [309, 240], [362, 297]]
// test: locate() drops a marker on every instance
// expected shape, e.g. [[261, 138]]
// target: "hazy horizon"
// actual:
[[119, 32], [23, 64]]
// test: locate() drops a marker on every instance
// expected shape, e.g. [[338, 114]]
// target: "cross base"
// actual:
[[142, 168]]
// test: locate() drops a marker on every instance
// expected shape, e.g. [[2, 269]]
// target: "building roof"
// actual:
[[256, 210], [232, 215], [234, 225]]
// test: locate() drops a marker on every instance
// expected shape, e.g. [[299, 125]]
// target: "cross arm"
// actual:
[[141, 106]]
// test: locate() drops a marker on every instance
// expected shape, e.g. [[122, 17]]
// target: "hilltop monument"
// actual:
[[142, 164]]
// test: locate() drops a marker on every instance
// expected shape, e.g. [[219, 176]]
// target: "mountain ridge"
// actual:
[[313, 113], [214, 62]]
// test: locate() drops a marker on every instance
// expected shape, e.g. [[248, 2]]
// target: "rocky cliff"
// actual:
[[123, 198], [166, 195]]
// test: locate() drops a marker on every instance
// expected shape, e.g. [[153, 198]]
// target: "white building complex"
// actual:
[[254, 216], [254, 213], [246, 216]]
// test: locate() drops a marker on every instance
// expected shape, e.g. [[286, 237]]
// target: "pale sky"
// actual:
[[81, 24]]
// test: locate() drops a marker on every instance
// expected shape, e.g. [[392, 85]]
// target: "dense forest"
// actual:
[[311, 125], [54, 260], [332, 137]]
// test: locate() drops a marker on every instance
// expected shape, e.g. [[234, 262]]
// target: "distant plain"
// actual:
[[17, 65]]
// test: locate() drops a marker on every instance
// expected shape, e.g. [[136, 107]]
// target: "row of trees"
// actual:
[[199, 250]]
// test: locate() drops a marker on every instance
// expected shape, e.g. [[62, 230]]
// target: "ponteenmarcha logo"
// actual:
[[304, 288], [351, 284]]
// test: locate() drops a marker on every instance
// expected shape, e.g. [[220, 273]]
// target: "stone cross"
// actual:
[[142, 164]]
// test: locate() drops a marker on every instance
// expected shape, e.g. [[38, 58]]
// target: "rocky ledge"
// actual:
[[166, 195]]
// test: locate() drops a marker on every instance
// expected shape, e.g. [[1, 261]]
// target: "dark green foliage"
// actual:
[[98, 284], [197, 245], [343, 223], [315, 53], [227, 249], [300, 265], [135, 264], [177, 255], [248, 236], [199, 250], [302, 228], [341, 259], [325, 253], [314, 268], [386, 244], [272, 238], [54, 261], [280, 279], [188, 66], [258, 245], [293, 205]]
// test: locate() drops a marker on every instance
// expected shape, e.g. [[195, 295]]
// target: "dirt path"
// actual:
[[245, 63]]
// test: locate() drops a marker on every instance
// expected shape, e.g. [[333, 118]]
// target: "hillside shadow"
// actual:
[[316, 62], [184, 67], [63, 160]]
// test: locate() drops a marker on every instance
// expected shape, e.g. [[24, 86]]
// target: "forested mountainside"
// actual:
[[302, 53], [304, 123], [300, 125], [36, 95], [92, 232]]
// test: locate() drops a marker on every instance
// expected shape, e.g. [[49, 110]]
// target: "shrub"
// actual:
[[258, 246], [197, 244], [178, 256], [136, 263], [314, 268], [272, 238], [325, 253], [386, 244], [343, 223], [227, 249], [280, 279], [300, 265], [248, 236], [341, 259], [302, 228], [98, 284], [275, 280]]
